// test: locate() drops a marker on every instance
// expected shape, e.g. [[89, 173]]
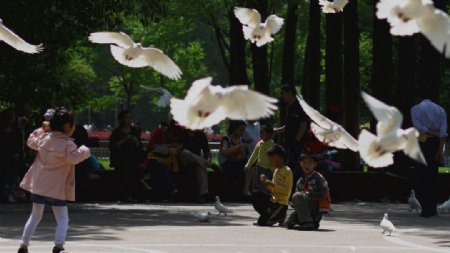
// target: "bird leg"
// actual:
[[403, 17], [128, 58], [380, 151], [202, 114]]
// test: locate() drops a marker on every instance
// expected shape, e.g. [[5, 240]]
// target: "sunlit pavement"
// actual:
[[156, 228]]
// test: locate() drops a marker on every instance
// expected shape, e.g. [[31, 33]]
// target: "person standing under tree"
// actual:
[[294, 128], [431, 121]]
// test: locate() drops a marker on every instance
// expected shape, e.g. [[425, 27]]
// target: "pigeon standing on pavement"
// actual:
[[12, 39], [444, 207], [202, 216], [386, 225], [334, 6], [132, 54], [414, 204], [221, 208], [206, 105], [376, 150], [254, 30], [327, 131]]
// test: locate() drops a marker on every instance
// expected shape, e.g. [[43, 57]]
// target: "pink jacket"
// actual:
[[52, 173]]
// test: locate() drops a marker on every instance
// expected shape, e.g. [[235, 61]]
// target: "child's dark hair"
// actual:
[[278, 151], [267, 128], [235, 124], [122, 114], [61, 117]]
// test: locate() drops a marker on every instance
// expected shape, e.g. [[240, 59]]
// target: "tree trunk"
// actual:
[[333, 67], [259, 54], [351, 80], [406, 84], [382, 63], [238, 67], [311, 69], [290, 34]]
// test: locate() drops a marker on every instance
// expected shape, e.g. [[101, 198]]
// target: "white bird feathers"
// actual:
[[377, 150], [132, 54], [414, 203], [444, 207], [408, 17], [12, 39], [386, 225], [202, 216], [164, 100], [254, 30], [327, 131], [206, 105], [221, 208], [333, 7]]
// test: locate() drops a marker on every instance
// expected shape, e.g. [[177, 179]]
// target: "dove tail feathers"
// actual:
[[368, 150]]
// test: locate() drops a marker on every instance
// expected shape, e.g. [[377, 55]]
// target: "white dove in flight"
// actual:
[[408, 17], [12, 39], [132, 54], [206, 105], [327, 131], [333, 7], [376, 150], [254, 30], [164, 100]]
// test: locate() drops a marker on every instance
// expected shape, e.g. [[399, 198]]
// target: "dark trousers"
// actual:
[[425, 178], [270, 213]]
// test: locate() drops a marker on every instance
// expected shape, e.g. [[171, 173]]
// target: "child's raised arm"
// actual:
[[76, 155]]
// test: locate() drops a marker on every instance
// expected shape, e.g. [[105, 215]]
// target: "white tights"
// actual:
[[62, 223]]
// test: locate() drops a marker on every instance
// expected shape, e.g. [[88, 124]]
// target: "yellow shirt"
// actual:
[[283, 180], [259, 156]]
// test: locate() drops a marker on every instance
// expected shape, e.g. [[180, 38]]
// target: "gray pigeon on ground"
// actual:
[[414, 204], [221, 208], [444, 207], [202, 216], [386, 225]]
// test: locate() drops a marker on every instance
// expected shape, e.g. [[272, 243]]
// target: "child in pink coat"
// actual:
[[51, 177]]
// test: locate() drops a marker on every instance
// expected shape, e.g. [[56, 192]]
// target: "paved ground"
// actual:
[[351, 227]]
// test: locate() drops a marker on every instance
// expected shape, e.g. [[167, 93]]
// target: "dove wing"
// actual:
[[161, 63], [274, 23], [435, 26], [348, 140], [241, 103], [315, 116], [246, 16], [389, 118], [412, 149], [12, 39], [119, 38]]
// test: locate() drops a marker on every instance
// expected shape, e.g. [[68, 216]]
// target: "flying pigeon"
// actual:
[[206, 105], [408, 17], [254, 30], [202, 216], [444, 207], [376, 150], [164, 100], [132, 54], [333, 7], [386, 225], [327, 131], [12, 39], [414, 204], [221, 208]]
